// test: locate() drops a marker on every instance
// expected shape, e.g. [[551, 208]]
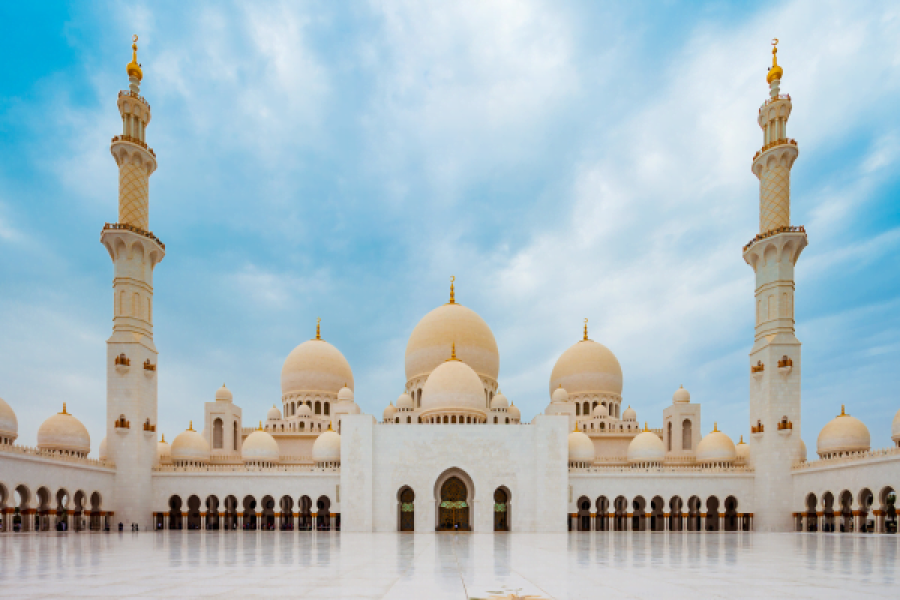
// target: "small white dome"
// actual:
[[742, 450], [581, 448], [102, 451], [304, 410], [9, 425], [453, 385], [64, 432], [273, 415], [681, 395], [560, 395], [389, 412], [629, 414], [163, 451], [327, 448], [404, 401], [843, 434], [499, 401], [600, 411], [260, 446], [514, 412], [190, 446], [716, 447], [802, 451], [646, 447], [895, 428], [345, 394], [223, 394]]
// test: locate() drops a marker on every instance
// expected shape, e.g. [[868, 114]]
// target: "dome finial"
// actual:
[[742, 439], [134, 68], [318, 328], [329, 426], [190, 425], [843, 413], [585, 329], [453, 351], [64, 409], [715, 427], [645, 426], [776, 72], [163, 438], [260, 423], [452, 290]]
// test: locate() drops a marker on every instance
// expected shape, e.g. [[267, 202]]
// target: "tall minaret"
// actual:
[[775, 356], [131, 355]]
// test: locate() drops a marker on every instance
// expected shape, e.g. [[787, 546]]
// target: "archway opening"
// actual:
[[194, 519], [621, 519], [323, 514], [828, 523], [286, 506], [657, 514], [249, 513], [305, 523], [731, 514], [175, 512], [602, 514], [62, 510], [712, 514], [406, 509], [676, 523], [96, 520], [694, 517], [584, 514], [638, 518], [888, 501], [454, 494], [212, 513]]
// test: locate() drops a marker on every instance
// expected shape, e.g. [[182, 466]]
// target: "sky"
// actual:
[[342, 160]]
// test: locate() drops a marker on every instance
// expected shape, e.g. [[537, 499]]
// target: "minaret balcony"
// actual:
[[133, 140], [769, 146], [140, 98], [122, 364]]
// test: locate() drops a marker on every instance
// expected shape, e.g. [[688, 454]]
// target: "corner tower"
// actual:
[[131, 354], [775, 356]]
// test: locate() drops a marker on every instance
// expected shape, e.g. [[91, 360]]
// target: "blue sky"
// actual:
[[342, 160]]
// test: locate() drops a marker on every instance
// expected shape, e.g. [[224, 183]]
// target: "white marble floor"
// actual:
[[433, 567]]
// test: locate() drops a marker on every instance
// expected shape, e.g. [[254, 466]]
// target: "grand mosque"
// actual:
[[452, 452]]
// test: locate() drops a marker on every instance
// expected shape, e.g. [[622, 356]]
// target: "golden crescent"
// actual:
[[585, 320], [134, 38], [452, 278], [774, 41]]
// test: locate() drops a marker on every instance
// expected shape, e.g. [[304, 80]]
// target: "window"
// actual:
[[686, 435], [318, 409], [669, 447], [218, 431], [235, 436]]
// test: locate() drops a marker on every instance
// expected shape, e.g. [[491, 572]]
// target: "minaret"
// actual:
[[774, 369], [131, 355]]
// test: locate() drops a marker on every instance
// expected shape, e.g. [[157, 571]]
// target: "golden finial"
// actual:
[[134, 68], [453, 351], [741, 440], [318, 328], [775, 72], [190, 425], [645, 426], [715, 427], [64, 409], [260, 423], [329, 426], [585, 329], [452, 291], [163, 438], [843, 414]]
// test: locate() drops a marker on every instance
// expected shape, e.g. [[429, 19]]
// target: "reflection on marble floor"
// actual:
[[581, 565]]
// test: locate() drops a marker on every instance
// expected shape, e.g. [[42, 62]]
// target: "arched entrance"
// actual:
[[501, 509], [584, 514], [407, 509], [453, 506]]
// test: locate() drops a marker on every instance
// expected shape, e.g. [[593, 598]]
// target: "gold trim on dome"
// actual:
[[134, 67]]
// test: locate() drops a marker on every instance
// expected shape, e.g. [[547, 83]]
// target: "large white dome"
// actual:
[[843, 434], [453, 385], [581, 448], [646, 447], [9, 425], [260, 446], [315, 366], [190, 446], [716, 447], [587, 368], [429, 343], [327, 447], [64, 432]]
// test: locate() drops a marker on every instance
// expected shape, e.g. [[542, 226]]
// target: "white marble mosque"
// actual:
[[452, 452]]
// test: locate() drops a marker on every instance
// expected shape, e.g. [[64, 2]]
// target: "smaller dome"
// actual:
[[273, 415], [629, 414], [742, 450], [514, 412], [802, 451], [327, 447], [646, 447], [600, 411], [404, 401], [895, 428], [453, 385], [163, 451], [64, 432], [716, 447], [102, 451], [345, 394], [560, 395], [9, 425], [581, 448], [260, 446], [304, 410], [389, 412], [843, 434], [223, 394], [499, 402], [681, 395], [190, 446]]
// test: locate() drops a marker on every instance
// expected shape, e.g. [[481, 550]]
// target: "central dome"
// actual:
[[587, 367], [453, 385], [429, 344], [315, 366]]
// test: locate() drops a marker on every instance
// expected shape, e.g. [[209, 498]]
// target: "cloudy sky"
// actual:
[[341, 160]]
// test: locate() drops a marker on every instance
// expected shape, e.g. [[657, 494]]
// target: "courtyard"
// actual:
[[173, 564]]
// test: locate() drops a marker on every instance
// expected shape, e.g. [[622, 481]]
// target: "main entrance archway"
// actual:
[[453, 511]]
